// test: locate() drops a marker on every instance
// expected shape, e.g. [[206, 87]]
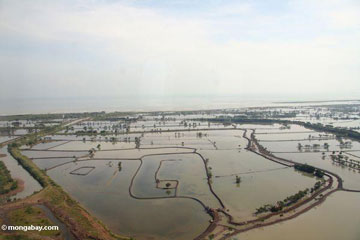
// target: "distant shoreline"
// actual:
[[320, 101], [46, 106], [178, 109]]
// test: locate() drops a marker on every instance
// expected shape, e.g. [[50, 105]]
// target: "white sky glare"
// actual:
[[145, 47]]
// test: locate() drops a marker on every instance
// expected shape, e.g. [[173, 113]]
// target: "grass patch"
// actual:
[[60, 203], [32, 215], [19, 236], [7, 184]]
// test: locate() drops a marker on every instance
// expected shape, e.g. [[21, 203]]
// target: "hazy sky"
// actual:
[[179, 47]]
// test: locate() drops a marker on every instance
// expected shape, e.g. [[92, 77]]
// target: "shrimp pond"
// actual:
[[188, 177]]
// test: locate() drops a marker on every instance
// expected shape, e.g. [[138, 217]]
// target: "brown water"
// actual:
[[289, 150], [16, 171], [105, 190], [337, 218], [262, 181]]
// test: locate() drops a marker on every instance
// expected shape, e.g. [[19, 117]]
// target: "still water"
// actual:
[[337, 218]]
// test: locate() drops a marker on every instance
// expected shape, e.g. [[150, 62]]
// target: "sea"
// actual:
[[150, 103]]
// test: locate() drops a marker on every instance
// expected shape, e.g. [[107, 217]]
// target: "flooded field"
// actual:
[[182, 177], [173, 158], [105, 193], [318, 150], [180, 120]]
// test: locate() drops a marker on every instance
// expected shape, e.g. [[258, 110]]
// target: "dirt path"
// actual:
[[219, 215], [288, 213]]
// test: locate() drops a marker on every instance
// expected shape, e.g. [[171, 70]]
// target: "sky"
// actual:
[[132, 48]]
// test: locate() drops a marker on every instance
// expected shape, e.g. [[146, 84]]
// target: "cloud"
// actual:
[[118, 48], [345, 18]]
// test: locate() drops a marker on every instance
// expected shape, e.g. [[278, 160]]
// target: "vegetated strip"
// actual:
[[81, 224], [7, 183], [260, 220], [340, 132], [350, 150], [284, 162]]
